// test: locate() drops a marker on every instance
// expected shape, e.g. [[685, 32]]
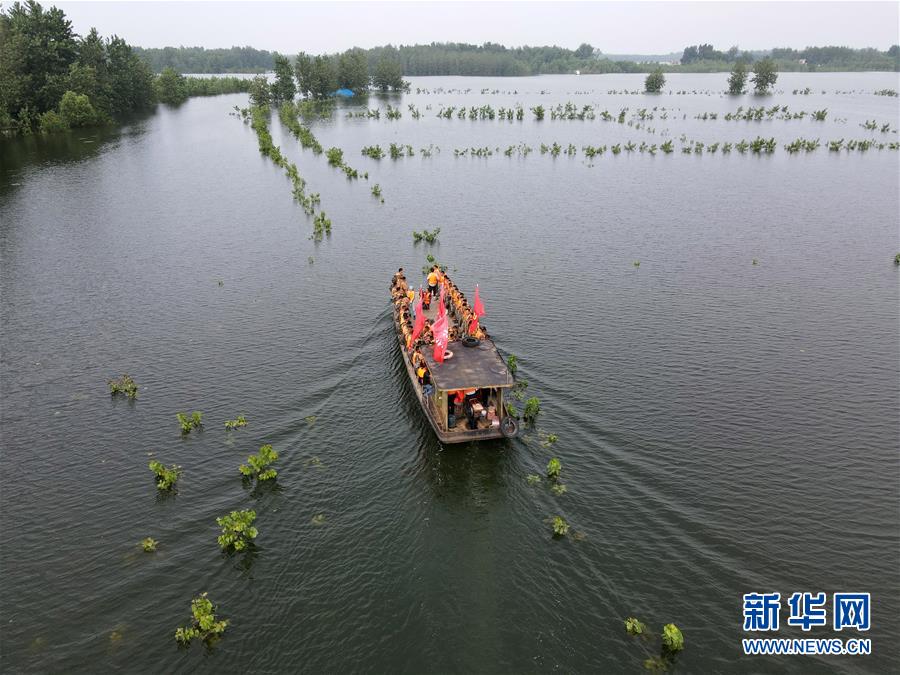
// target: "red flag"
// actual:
[[478, 308], [473, 326], [441, 309], [441, 338], [419, 323]]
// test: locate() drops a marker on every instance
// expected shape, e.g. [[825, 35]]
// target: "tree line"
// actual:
[[492, 59], [200, 60], [787, 59], [52, 79]]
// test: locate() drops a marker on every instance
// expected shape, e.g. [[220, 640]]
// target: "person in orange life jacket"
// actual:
[[432, 280], [426, 300]]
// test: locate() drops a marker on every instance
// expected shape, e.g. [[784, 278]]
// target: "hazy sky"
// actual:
[[613, 27]]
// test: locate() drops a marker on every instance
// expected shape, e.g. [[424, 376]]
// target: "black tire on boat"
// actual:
[[508, 427], [470, 341]]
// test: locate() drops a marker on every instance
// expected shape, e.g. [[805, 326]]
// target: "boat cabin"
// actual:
[[468, 388]]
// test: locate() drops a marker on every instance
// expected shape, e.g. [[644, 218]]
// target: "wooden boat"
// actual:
[[469, 364]]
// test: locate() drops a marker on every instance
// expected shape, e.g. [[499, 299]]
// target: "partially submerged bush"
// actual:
[[123, 385], [559, 489], [533, 479], [241, 421], [560, 526], [257, 464], [188, 423], [673, 640], [634, 627], [237, 530], [149, 544], [165, 477], [512, 362], [204, 625], [554, 466], [532, 409]]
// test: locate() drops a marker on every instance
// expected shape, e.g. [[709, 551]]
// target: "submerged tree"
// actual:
[[765, 74], [353, 70], [170, 87], [259, 91], [388, 75], [738, 78], [283, 88], [655, 81]]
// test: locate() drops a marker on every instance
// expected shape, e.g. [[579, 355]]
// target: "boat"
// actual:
[[472, 366]]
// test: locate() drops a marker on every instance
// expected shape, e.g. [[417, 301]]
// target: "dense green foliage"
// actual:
[[51, 79], [554, 467], [237, 530], [171, 87], [200, 60], [353, 70], [283, 88], [738, 78], [655, 81], [204, 624], [165, 477], [840, 58], [41, 58], [257, 465], [560, 526], [259, 91], [765, 74], [672, 638], [388, 74]]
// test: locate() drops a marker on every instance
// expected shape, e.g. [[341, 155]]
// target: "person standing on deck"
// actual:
[[433, 280]]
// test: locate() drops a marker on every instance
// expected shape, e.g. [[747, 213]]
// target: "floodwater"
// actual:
[[724, 427]]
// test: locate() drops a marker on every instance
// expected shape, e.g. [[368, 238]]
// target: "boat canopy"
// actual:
[[479, 367]]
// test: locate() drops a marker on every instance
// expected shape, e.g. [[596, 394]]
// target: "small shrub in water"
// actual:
[[149, 544], [204, 625], [533, 479], [532, 409], [257, 464], [554, 466], [376, 190], [335, 156], [559, 489], [634, 627], [560, 526], [188, 423], [673, 640], [512, 411], [123, 385], [237, 530], [897, 259], [165, 477], [241, 421], [512, 362]]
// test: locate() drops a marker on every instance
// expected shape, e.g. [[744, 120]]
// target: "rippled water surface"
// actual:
[[724, 426]]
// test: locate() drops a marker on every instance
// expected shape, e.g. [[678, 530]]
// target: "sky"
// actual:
[[612, 27]]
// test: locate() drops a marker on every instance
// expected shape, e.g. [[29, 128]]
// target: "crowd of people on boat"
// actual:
[[465, 322]]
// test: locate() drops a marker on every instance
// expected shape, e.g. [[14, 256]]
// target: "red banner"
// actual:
[[441, 338], [477, 307]]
